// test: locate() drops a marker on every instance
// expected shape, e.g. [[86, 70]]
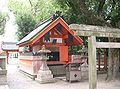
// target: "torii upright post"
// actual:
[[92, 62], [98, 59], [7, 56]]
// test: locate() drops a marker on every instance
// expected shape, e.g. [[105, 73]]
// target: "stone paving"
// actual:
[[17, 80], [4, 87]]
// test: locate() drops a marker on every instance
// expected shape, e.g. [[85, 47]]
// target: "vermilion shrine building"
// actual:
[[9, 47], [56, 35]]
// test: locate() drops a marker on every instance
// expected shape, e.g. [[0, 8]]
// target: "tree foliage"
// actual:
[[115, 15], [93, 12], [26, 24], [30, 12], [2, 22]]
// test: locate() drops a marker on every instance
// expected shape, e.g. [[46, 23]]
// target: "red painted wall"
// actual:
[[63, 53]]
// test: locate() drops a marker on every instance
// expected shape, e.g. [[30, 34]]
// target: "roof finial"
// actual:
[[56, 15]]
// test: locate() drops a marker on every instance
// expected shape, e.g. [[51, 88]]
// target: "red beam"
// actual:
[[57, 44], [105, 60], [12, 50], [55, 36], [98, 59], [59, 33], [24, 44]]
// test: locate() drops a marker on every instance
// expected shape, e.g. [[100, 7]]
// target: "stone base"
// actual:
[[3, 77], [84, 70], [45, 76]]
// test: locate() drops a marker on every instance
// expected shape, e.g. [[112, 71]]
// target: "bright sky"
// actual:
[[10, 27], [3, 5]]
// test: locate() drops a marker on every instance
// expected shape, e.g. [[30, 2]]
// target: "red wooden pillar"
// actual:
[[98, 59], [63, 53], [105, 60], [7, 57]]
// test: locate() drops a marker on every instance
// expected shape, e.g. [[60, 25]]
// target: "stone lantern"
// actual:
[[44, 74]]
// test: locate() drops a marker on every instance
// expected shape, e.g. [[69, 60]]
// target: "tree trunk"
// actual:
[[113, 64], [116, 64], [110, 68]]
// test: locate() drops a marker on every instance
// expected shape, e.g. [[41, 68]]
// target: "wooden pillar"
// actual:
[[105, 60], [7, 57], [92, 62], [98, 59]]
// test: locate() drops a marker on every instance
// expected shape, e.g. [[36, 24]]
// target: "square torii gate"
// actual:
[[92, 32]]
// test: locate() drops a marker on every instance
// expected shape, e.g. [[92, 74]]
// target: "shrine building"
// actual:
[[11, 50], [56, 35]]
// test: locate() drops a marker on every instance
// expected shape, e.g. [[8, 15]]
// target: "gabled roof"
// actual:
[[45, 27], [9, 46], [36, 31]]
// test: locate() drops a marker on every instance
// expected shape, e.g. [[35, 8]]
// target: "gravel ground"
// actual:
[[17, 80]]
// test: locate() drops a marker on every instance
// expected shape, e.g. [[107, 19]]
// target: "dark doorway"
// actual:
[[53, 56]]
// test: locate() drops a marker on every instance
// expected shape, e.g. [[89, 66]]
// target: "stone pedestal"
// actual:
[[3, 71], [3, 77], [44, 74]]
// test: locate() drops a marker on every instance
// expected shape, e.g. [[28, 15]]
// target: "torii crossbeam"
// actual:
[[92, 32]]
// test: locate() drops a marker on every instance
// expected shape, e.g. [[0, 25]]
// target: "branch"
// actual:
[[30, 3], [2, 21], [81, 7], [70, 4], [32, 7], [35, 7], [100, 7]]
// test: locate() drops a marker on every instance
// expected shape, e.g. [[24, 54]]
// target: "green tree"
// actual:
[[2, 22], [115, 15], [30, 12], [92, 12], [26, 24]]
